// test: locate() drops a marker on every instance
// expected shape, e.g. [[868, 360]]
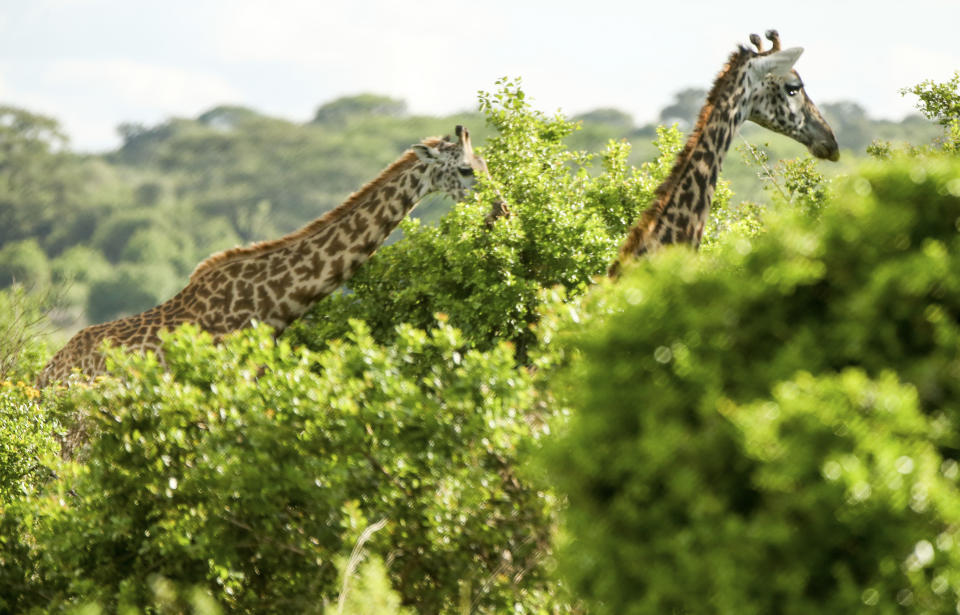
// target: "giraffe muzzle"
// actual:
[[826, 150]]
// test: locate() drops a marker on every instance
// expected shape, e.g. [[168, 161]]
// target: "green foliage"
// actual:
[[566, 229], [938, 101], [804, 184], [25, 441], [244, 469], [24, 262], [941, 102], [785, 400], [27, 450], [771, 427], [34, 174], [23, 324]]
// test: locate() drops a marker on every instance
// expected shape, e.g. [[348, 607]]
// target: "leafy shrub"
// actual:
[[241, 468], [27, 449], [25, 440], [771, 427]]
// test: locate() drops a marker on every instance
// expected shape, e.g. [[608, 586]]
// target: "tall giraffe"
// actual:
[[276, 281], [760, 86]]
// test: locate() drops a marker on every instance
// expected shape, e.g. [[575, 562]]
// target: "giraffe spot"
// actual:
[[312, 266], [366, 248], [303, 295], [211, 321], [265, 300], [276, 265], [253, 268], [382, 220], [279, 285], [236, 321], [285, 312], [701, 206], [335, 246], [321, 238], [244, 289], [244, 304], [336, 271]]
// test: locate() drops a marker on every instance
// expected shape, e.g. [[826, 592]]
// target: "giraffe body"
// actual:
[[277, 281], [758, 86]]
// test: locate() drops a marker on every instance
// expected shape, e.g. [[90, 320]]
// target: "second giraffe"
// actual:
[[760, 86]]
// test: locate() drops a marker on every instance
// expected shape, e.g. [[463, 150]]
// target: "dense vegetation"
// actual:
[[765, 426], [772, 427]]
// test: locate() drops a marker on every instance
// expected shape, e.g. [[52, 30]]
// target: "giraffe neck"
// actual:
[[687, 206], [682, 205], [278, 281]]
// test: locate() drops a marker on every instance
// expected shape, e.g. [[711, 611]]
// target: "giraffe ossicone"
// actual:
[[277, 281], [760, 86]]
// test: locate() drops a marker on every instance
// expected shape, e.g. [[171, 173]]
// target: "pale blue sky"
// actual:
[[95, 63]]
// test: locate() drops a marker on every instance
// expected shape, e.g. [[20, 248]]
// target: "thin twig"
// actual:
[[767, 171]]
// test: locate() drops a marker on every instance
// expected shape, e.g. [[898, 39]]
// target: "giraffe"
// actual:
[[760, 86], [276, 281]]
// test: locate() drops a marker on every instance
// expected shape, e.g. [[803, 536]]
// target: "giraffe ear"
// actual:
[[777, 63], [425, 152]]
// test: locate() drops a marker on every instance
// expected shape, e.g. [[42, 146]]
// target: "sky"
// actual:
[[93, 64]]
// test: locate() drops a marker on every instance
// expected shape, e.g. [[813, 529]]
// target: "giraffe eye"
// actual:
[[792, 88], [465, 171]]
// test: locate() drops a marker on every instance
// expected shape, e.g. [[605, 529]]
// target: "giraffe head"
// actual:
[[451, 165], [779, 103]]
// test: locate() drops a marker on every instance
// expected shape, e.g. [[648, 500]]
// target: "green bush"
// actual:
[[771, 427], [244, 469], [27, 450], [25, 440]]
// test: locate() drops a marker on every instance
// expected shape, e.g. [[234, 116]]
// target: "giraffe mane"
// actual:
[[665, 190], [231, 255]]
